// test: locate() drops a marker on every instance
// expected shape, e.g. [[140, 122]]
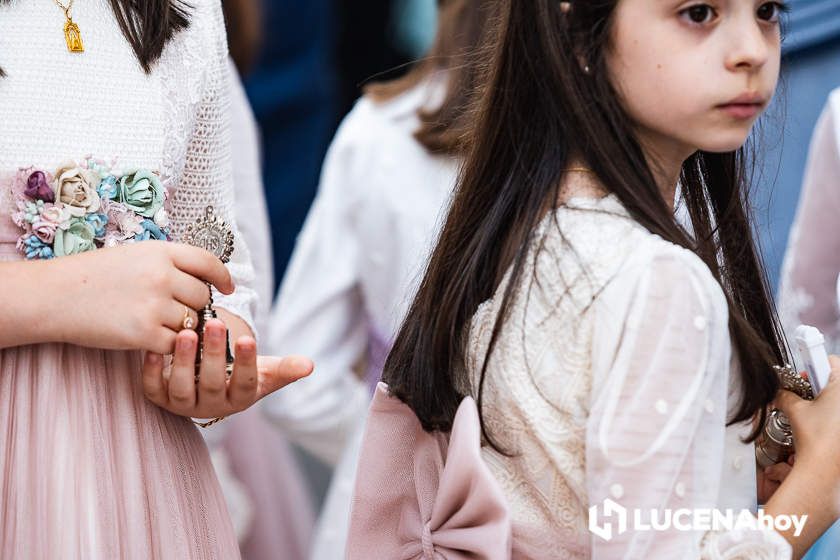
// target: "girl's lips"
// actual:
[[741, 110]]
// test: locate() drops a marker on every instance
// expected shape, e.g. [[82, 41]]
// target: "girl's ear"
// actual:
[[584, 65]]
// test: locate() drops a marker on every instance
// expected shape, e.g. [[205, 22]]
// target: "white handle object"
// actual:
[[811, 345], [837, 288]]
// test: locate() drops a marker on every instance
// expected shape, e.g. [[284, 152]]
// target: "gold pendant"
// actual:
[[73, 37]]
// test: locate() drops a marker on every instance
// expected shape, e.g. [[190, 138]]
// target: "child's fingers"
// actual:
[[182, 376], [212, 379], [778, 472], [154, 386], [245, 380]]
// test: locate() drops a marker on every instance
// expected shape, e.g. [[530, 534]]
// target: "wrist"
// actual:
[[809, 490], [53, 277], [26, 292], [819, 477]]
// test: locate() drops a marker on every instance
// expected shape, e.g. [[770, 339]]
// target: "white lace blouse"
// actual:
[[57, 106], [611, 379]]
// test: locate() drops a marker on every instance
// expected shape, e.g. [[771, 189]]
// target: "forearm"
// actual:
[[25, 293], [806, 491]]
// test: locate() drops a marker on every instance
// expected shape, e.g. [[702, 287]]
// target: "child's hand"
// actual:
[[253, 376], [816, 424], [134, 296], [771, 478]]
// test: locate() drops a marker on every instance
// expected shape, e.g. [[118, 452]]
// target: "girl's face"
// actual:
[[695, 74]]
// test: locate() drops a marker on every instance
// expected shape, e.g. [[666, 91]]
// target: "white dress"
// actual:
[[350, 281], [808, 289], [59, 106], [611, 379], [91, 468]]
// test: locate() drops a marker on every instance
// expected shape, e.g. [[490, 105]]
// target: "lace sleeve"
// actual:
[[809, 275], [655, 438], [207, 175]]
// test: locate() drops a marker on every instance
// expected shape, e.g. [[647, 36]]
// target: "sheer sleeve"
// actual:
[[207, 175], [808, 291], [320, 312], [656, 432]]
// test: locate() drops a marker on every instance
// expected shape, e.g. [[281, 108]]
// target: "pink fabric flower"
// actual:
[[57, 214], [45, 230], [127, 222]]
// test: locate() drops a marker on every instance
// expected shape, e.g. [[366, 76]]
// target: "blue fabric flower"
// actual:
[[107, 188], [34, 248], [150, 231], [97, 222]]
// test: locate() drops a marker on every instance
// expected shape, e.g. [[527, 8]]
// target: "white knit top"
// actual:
[[57, 106]]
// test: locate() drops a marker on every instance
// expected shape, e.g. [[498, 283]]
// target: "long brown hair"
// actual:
[[147, 25], [538, 108], [461, 25]]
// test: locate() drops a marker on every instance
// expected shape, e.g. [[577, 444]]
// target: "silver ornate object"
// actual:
[[794, 382], [776, 445], [214, 235]]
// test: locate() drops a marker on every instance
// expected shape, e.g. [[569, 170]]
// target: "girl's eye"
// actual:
[[771, 11], [699, 14]]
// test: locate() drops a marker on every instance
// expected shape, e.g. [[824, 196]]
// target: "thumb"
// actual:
[[275, 372], [834, 362]]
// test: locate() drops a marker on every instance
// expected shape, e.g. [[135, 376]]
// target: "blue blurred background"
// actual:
[[313, 59], [811, 69]]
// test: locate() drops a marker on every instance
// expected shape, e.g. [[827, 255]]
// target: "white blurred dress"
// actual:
[[351, 278], [808, 288], [261, 480], [611, 379]]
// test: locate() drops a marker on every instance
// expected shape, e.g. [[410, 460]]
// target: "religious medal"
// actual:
[[72, 35], [214, 235]]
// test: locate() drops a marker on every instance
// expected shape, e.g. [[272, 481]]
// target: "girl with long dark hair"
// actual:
[[114, 138], [613, 353]]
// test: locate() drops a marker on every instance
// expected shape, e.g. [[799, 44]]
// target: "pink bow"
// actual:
[[421, 497]]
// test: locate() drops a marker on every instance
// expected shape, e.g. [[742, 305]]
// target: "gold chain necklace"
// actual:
[[71, 31]]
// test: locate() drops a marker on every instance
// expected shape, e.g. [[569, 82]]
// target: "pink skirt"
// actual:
[[90, 469]]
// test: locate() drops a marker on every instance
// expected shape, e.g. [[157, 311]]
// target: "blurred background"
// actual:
[[304, 63], [811, 70]]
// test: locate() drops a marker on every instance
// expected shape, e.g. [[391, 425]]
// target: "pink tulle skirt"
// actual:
[[90, 469]]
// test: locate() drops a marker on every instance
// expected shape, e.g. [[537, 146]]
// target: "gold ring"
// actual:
[[188, 322]]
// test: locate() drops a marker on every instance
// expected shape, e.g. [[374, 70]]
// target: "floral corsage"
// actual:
[[78, 208]]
